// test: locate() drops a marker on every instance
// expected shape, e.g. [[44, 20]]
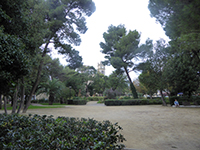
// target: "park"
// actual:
[[42, 99]]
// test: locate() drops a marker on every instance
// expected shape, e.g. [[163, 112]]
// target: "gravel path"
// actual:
[[144, 127]]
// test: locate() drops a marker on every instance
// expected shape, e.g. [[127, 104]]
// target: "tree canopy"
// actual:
[[120, 48]]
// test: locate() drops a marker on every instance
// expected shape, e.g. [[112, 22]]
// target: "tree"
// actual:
[[88, 72], [154, 67], [147, 79], [99, 83], [51, 88], [117, 81], [62, 18], [180, 20], [120, 49], [182, 74], [16, 42], [20, 40], [140, 87]]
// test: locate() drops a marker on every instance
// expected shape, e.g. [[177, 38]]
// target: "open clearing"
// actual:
[[151, 127]]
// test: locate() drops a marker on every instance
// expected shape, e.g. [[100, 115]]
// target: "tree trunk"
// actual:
[[37, 79], [1, 102], [162, 98], [150, 95], [5, 105], [135, 95], [15, 98], [51, 99], [22, 96], [61, 100]]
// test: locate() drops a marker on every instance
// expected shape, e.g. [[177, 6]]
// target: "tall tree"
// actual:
[[180, 20], [21, 35], [120, 48], [157, 66], [148, 80], [62, 19], [181, 73]]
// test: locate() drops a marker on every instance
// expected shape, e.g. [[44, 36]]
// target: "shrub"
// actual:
[[110, 94], [79, 102], [34, 101], [114, 102], [95, 98], [182, 99], [126, 97], [45, 132], [70, 101], [155, 102]]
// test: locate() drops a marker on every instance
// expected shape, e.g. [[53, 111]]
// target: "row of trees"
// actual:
[[62, 83], [29, 29], [174, 67], [171, 67]]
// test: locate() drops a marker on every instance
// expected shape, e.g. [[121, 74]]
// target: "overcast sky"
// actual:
[[134, 14]]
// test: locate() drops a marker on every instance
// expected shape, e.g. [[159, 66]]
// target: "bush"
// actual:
[[155, 102], [180, 99], [95, 98], [79, 102], [34, 101], [110, 94], [45, 132], [114, 102], [183, 99]]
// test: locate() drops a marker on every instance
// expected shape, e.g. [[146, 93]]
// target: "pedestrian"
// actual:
[[176, 103]]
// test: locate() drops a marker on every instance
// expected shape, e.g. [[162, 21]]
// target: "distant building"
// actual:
[[101, 68]]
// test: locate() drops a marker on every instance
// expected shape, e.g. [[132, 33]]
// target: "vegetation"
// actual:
[[120, 49], [23, 132], [123, 102], [25, 50], [31, 29]]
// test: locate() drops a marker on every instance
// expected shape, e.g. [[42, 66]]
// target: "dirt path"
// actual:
[[145, 127]]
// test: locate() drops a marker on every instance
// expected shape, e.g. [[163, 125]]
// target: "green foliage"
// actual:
[[114, 102], [23, 132], [99, 83], [117, 81], [180, 22], [14, 63], [110, 94], [133, 89], [79, 102], [181, 72], [195, 100], [95, 98], [120, 48]]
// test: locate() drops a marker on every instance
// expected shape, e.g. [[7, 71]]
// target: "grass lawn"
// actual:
[[56, 105]]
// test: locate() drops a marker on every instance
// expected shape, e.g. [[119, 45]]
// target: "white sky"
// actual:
[[134, 14]]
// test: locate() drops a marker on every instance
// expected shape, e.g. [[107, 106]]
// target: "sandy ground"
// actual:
[[152, 127]]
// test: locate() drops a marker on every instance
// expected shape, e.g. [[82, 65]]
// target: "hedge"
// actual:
[[181, 99], [95, 98], [63, 133], [77, 102], [114, 102]]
